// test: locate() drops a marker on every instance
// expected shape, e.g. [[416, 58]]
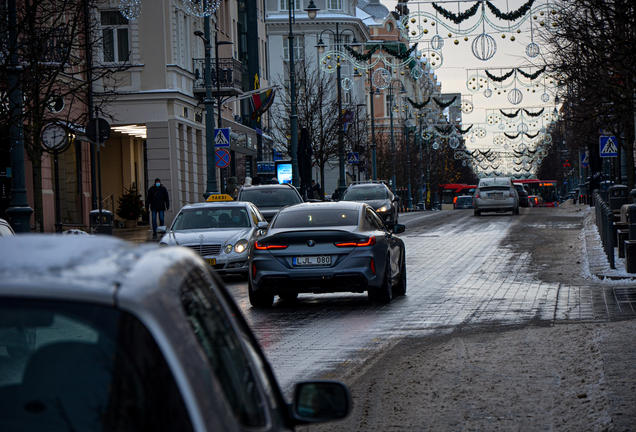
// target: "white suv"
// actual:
[[496, 194]]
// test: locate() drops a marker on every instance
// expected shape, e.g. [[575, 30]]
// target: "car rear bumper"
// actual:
[[353, 274]]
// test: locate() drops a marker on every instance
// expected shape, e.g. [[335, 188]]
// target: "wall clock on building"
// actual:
[[54, 137]]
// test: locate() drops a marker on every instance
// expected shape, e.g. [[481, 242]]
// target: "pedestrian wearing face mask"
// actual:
[[158, 201]]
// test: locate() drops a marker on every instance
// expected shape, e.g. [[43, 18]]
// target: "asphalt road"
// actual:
[[497, 270]]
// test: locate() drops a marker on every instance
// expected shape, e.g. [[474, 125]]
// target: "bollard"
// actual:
[[630, 256], [631, 221], [622, 235]]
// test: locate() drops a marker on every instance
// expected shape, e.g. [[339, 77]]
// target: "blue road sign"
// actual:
[[585, 161], [353, 157], [222, 137], [222, 158], [608, 146]]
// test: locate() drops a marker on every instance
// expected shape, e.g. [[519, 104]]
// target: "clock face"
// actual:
[[54, 136]]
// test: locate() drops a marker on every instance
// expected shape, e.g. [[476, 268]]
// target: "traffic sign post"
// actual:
[[353, 157], [608, 146], [585, 160], [222, 158], [222, 137]]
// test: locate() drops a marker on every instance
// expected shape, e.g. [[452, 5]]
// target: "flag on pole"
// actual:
[[261, 102]]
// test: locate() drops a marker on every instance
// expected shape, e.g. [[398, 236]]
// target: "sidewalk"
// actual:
[[141, 234]]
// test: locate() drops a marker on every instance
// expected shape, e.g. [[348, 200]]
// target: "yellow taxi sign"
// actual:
[[219, 197]]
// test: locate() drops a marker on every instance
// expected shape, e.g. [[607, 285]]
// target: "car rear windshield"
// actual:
[[366, 194], [316, 218], [465, 200], [270, 197], [221, 217]]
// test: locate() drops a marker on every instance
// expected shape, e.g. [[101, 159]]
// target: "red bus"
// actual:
[[449, 191], [541, 193]]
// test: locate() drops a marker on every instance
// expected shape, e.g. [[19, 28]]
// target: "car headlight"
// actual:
[[228, 248], [383, 209], [240, 246]]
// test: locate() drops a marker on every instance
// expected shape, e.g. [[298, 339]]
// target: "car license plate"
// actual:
[[211, 261], [312, 261], [496, 195]]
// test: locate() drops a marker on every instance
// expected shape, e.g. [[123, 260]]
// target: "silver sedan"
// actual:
[[220, 232]]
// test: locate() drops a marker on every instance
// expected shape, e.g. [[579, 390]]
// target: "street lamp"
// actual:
[[211, 187], [403, 93], [321, 48]]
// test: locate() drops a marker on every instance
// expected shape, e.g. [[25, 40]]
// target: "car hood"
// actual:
[[217, 235]]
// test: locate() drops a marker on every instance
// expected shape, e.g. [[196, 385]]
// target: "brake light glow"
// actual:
[[477, 195], [269, 247], [360, 243]]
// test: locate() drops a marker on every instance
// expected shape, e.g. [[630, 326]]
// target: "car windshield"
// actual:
[[366, 194], [213, 217], [263, 197], [82, 367], [316, 218], [464, 200]]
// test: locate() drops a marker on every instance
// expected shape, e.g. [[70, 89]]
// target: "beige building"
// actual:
[[158, 117]]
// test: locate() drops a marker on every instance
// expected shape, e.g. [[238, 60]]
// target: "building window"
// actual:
[[299, 48], [115, 34], [334, 4], [388, 105], [284, 4]]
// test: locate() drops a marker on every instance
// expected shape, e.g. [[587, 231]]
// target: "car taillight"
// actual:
[[259, 246], [360, 243], [372, 266], [512, 193], [253, 270], [476, 195]]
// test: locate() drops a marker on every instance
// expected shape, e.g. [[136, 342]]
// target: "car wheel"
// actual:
[[516, 211], [385, 293], [477, 213], [259, 299], [288, 296], [24, 344], [401, 287]]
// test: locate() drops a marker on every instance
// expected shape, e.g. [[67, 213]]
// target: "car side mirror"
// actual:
[[162, 229], [321, 401], [398, 229], [396, 199]]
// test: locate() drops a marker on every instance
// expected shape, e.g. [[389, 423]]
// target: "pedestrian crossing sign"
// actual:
[[222, 137], [608, 146]]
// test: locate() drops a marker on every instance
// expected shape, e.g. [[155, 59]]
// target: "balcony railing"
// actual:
[[230, 75]]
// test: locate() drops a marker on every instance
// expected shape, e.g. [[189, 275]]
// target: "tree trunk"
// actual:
[[38, 207]]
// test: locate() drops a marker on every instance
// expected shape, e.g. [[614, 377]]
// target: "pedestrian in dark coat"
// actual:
[[158, 201]]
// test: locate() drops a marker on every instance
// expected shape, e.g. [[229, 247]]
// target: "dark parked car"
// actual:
[[103, 335], [270, 198], [325, 248], [378, 196]]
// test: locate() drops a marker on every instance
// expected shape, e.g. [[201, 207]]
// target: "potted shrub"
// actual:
[[130, 208]]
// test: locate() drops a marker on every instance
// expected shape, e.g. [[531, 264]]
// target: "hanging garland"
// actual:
[[534, 114], [359, 56], [443, 104], [465, 131], [459, 17], [511, 16], [444, 131], [531, 76], [532, 136], [501, 78], [419, 105], [516, 113], [511, 136], [397, 54]]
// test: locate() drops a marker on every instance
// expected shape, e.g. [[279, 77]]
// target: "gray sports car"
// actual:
[[218, 231], [327, 247]]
